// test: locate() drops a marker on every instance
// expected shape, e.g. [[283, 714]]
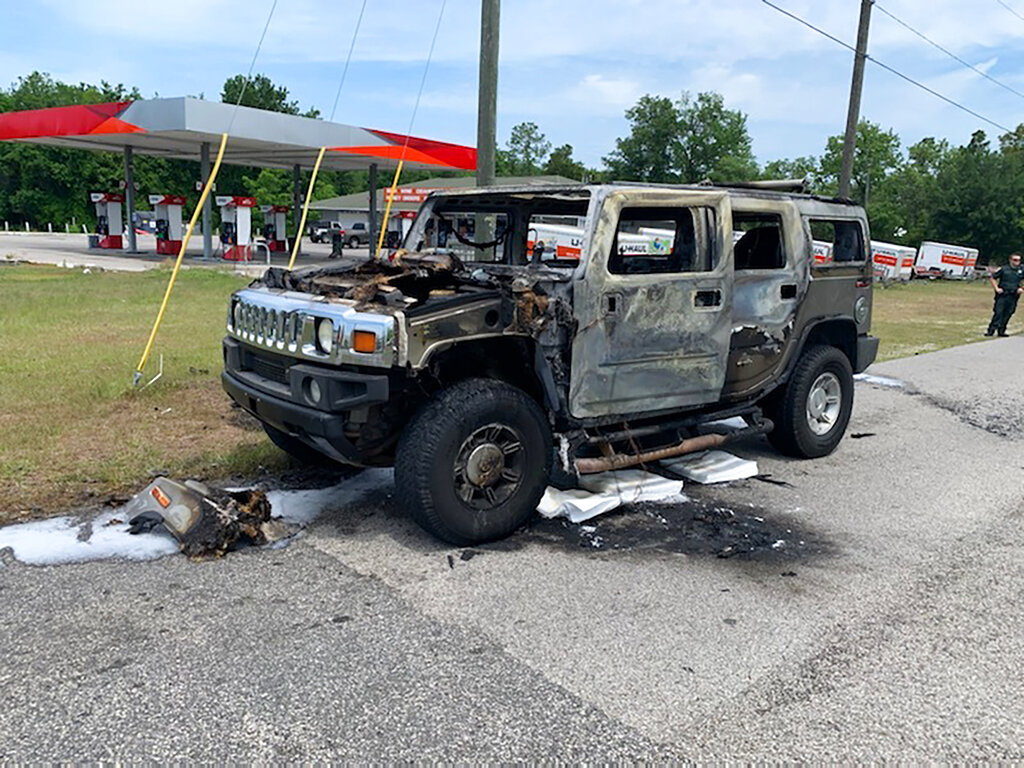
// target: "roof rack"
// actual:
[[775, 185]]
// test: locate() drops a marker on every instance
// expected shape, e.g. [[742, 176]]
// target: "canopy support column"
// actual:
[[204, 171], [129, 197], [371, 225]]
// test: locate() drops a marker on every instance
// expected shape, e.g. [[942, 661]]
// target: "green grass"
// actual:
[[73, 428], [925, 316]]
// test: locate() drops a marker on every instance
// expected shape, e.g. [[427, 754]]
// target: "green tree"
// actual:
[[261, 93], [560, 163], [798, 168], [980, 200], [649, 152], [689, 140], [713, 142], [876, 155], [527, 149], [902, 204], [44, 185]]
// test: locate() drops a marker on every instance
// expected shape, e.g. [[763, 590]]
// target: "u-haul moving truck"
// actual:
[[564, 242], [559, 241], [891, 261], [822, 251], [943, 260]]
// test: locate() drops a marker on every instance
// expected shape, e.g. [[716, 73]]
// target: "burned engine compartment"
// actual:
[[421, 282]]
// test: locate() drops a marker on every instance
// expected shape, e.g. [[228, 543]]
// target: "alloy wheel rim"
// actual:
[[824, 403], [488, 467]]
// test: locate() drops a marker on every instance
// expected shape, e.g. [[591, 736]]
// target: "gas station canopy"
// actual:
[[187, 128], [179, 127]]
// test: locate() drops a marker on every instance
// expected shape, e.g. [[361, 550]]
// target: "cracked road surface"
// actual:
[[886, 626]]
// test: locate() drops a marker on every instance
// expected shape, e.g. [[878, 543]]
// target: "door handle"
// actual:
[[612, 303], [707, 298], [787, 291]]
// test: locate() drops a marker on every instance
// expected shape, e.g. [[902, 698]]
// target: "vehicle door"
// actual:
[[653, 305], [771, 264]]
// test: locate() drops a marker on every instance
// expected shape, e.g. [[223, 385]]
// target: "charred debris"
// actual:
[[413, 281]]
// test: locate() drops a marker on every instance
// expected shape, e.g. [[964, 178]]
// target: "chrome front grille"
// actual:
[[272, 328], [285, 322]]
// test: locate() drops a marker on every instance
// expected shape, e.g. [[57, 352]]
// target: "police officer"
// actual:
[[1008, 283]]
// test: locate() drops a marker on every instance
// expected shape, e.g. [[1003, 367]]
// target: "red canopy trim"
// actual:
[[78, 120], [418, 151]]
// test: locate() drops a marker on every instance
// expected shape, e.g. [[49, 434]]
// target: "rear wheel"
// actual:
[[474, 462], [812, 413]]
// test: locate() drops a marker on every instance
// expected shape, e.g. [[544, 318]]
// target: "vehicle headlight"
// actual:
[[325, 335]]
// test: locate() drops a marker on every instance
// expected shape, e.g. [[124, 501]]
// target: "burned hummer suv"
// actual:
[[547, 331]]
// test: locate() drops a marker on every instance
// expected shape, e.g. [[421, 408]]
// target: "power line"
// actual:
[[252, 64], [887, 68], [1010, 9], [949, 53], [348, 59]]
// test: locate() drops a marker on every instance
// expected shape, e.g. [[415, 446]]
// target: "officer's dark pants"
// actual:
[[1002, 310]]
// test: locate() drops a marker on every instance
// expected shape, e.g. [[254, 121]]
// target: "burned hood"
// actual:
[[405, 280]]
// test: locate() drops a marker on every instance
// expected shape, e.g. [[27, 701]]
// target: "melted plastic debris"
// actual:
[[607, 491], [880, 381], [73, 540], [711, 467]]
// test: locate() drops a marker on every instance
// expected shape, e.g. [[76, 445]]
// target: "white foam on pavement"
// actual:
[[601, 493], [69, 540], [711, 467], [880, 381]]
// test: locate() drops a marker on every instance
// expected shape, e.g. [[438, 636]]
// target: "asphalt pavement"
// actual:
[[863, 606]]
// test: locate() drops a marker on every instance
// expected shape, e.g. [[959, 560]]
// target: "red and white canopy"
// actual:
[[178, 127]]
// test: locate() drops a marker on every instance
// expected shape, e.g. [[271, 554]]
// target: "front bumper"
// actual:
[[286, 401]]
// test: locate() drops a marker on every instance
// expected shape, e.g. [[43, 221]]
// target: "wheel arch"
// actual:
[[516, 360]]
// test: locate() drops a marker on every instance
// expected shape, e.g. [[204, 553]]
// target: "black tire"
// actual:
[[799, 433], [482, 427], [353, 242], [298, 450]]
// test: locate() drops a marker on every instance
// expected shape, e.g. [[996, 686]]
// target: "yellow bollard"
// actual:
[[177, 264], [305, 208]]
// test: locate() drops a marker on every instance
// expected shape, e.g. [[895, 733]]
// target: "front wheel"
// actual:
[[472, 465], [812, 413], [353, 242]]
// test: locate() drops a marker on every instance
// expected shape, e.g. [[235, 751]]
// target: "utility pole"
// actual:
[[853, 115], [486, 124]]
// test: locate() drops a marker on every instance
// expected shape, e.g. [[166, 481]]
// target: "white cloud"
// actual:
[[604, 94]]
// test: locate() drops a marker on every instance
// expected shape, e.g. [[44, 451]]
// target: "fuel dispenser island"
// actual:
[[109, 225], [167, 210], [275, 225], [236, 226]]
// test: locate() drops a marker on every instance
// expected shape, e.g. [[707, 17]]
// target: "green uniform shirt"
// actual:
[[1009, 278]]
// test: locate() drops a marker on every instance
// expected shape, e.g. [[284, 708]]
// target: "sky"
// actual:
[[571, 66]]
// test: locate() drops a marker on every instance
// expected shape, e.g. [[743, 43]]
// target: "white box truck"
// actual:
[[891, 261], [954, 262], [822, 251]]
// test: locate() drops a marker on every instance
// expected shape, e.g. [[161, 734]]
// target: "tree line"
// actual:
[[971, 194]]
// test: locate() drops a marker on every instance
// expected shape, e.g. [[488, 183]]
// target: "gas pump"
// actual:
[[108, 218], [236, 226], [275, 226], [168, 222]]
